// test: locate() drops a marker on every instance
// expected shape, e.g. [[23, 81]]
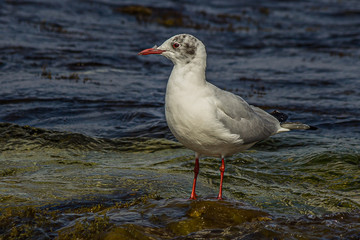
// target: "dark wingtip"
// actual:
[[312, 128], [281, 117]]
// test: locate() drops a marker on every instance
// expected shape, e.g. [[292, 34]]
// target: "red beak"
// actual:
[[151, 51]]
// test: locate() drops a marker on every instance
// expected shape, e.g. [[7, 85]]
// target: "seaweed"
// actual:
[[171, 17]]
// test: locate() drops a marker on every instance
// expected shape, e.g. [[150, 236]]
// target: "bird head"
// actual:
[[180, 49]]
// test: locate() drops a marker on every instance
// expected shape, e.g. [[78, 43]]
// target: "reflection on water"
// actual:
[[92, 156]]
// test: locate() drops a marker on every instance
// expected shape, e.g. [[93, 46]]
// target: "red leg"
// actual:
[[222, 170], [196, 172]]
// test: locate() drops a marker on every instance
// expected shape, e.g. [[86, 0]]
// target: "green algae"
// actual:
[[131, 231], [213, 214], [25, 222], [95, 228], [136, 10], [169, 219], [66, 185], [98, 226], [166, 17], [197, 216], [172, 17]]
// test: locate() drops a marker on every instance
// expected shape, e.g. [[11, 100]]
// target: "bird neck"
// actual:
[[189, 74]]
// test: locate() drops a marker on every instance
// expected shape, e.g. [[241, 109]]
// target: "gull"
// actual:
[[205, 118]]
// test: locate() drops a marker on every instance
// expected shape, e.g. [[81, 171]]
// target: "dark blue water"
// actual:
[[70, 71], [300, 58]]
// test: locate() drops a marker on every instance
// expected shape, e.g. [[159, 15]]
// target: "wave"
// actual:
[[15, 137]]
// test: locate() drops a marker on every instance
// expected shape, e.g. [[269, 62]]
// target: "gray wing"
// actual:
[[251, 123]]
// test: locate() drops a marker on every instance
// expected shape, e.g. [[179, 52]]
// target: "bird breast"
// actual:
[[192, 118]]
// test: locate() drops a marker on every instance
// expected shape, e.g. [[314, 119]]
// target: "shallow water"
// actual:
[[85, 150]]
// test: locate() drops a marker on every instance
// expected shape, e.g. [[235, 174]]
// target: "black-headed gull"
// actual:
[[204, 118]]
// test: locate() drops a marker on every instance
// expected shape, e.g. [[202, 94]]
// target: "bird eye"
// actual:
[[176, 45]]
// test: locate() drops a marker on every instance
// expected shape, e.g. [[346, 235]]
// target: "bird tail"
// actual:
[[297, 126], [282, 117]]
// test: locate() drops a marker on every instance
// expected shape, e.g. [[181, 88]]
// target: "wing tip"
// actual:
[[297, 126], [281, 117], [312, 128]]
